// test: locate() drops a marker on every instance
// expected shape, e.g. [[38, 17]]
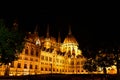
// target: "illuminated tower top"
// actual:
[[70, 39], [70, 45], [36, 29], [59, 38], [69, 33]]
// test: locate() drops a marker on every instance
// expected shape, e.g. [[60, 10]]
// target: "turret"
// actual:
[[36, 30], [59, 38], [69, 33], [15, 24]]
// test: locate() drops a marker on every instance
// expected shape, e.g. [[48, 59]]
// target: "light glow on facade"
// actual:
[[47, 55]]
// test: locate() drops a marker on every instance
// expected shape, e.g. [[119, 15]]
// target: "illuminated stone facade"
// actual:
[[46, 55]]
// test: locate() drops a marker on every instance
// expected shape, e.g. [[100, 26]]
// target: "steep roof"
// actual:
[[70, 38]]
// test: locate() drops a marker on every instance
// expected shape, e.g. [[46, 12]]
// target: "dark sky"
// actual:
[[92, 30]]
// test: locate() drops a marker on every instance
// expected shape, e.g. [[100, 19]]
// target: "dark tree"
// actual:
[[102, 59], [11, 44], [105, 60], [90, 65], [116, 52]]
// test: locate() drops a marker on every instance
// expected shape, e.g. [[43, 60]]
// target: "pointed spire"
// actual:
[[36, 29], [59, 38], [15, 24], [47, 31], [69, 30]]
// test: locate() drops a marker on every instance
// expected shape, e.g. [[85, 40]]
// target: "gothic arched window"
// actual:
[[32, 51], [26, 51], [37, 53]]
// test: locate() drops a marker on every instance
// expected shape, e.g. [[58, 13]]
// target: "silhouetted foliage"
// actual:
[[90, 65], [11, 43], [103, 60]]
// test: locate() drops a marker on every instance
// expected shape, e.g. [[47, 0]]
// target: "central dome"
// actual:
[[70, 39]]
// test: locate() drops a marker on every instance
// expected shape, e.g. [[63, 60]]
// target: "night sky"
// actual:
[[89, 30]]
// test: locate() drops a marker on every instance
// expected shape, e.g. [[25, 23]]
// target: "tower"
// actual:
[[69, 32], [36, 29], [59, 42], [59, 38], [47, 42], [70, 44], [15, 24]]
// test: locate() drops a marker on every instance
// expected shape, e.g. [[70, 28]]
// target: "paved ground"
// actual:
[[63, 77]]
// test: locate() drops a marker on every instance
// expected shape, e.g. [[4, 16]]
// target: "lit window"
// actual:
[[26, 51], [19, 65], [41, 69], [37, 53], [35, 66], [31, 59], [42, 57], [31, 66], [72, 63], [25, 65], [36, 60], [50, 59], [45, 69], [47, 50], [46, 58], [53, 69], [32, 51], [26, 58], [12, 64], [49, 69], [62, 70]]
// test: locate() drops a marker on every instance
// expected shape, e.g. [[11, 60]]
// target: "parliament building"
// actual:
[[48, 55]]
